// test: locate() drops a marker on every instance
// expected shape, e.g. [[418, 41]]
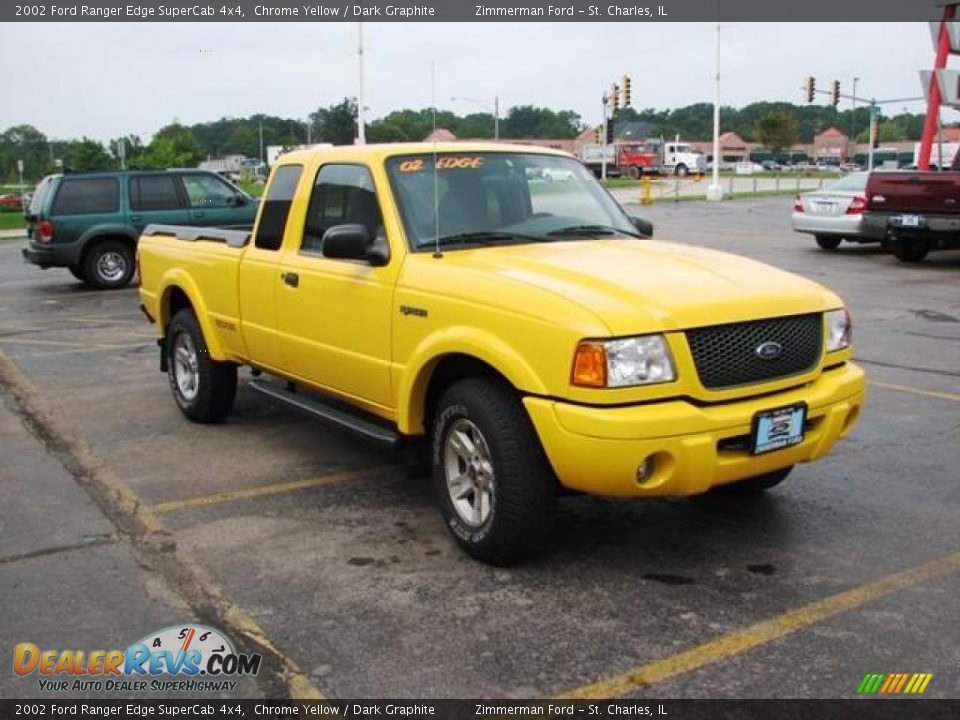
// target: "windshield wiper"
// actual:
[[481, 237], [592, 231]]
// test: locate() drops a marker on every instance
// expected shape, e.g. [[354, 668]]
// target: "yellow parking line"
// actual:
[[916, 391], [262, 490], [727, 646]]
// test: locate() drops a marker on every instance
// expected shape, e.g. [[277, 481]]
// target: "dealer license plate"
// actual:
[[778, 428], [910, 220]]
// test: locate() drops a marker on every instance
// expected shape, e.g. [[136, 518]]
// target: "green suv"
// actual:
[[90, 222]]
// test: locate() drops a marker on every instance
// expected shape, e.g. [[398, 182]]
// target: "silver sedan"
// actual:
[[835, 212]]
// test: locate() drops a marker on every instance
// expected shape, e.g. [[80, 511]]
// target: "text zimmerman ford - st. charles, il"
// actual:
[[496, 301]]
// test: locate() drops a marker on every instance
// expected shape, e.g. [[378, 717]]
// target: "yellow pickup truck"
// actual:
[[498, 300]]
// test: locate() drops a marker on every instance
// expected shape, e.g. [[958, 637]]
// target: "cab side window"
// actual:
[[342, 194], [154, 192], [207, 191], [276, 207]]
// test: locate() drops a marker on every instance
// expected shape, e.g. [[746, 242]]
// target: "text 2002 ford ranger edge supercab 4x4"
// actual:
[[527, 327]]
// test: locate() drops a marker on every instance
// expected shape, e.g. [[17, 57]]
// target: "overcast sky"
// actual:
[[107, 79]]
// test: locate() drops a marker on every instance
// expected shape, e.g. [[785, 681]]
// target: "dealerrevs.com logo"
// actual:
[[187, 658]]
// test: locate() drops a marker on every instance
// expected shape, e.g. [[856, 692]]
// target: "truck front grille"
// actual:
[[728, 355]]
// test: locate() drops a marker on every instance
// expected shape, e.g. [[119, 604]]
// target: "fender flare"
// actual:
[[458, 340], [177, 279]]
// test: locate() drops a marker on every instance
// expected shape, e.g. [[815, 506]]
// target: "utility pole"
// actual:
[[262, 160], [872, 139], [603, 147], [496, 117], [361, 125], [853, 113], [715, 192]]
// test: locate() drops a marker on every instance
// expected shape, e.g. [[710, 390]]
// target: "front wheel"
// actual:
[[758, 484], [634, 172], [109, 265], [827, 242], [203, 388], [495, 487], [682, 170]]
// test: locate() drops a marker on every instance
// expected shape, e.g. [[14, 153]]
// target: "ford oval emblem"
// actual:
[[769, 350]]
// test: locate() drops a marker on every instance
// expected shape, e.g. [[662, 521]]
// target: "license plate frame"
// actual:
[[766, 436], [911, 221]]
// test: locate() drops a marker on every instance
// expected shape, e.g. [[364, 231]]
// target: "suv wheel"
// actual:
[[109, 265], [495, 487], [78, 273], [203, 387]]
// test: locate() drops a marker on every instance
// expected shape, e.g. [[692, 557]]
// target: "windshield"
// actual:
[[855, 182], [501, 198]]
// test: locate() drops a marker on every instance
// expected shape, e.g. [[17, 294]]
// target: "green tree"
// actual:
[[243, 140], [24, 142], [174, 146], [337, 123], [776, 129], [527, 121], [87, 154]]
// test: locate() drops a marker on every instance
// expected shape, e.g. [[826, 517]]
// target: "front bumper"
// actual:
[[597, 450]]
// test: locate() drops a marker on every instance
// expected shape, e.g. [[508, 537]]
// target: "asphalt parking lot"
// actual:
[[120, 517]]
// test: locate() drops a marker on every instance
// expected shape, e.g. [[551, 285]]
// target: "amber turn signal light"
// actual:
[[590, 365]]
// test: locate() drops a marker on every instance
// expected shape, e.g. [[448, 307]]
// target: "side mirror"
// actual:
[[347, 242], [644, 227], [237, 201]]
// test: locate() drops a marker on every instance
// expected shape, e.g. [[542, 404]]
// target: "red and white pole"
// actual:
[[933, 101]]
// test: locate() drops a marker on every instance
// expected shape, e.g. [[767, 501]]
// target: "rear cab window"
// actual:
[[87, 196], [276, 207]]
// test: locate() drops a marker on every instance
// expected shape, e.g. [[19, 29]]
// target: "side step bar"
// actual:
[[315, 407]]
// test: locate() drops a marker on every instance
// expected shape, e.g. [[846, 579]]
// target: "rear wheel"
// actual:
[[910, 251], [634, 172], [495, 487], [758, 484], [827, 242], [109, 265], [203, 388]]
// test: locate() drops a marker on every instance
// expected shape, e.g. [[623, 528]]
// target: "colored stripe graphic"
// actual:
[[894, 683]]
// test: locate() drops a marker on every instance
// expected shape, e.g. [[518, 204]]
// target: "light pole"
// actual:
[[853, 112], [361, 125], [487, 104], [715, 192]]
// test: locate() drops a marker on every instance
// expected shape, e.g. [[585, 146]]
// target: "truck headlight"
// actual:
[[839, 329], [640, 360]]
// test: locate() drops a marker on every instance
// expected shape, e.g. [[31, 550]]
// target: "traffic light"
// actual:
[[610, 133], [614, 98], [626, 90], [835, 93], [875, 131], [810, 87], [598, 134]]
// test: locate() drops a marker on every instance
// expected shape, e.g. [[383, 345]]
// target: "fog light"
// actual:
[[645, 470]]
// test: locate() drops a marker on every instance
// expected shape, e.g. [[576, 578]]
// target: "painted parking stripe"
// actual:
[[916, 391], [263, 490], [761, 633]]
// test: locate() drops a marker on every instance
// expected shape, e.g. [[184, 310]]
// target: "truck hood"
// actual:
[[637, 286]]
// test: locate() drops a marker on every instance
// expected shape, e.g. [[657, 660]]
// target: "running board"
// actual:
[[328, 412]]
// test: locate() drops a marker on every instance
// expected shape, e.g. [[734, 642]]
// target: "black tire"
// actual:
[[828, 242], [109, 265], [758, 484], [78, 273], [910, 251], [209, 398], [522, 500], [634, 172], [682, 170]]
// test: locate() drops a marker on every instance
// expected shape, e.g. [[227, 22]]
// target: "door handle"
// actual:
[[136, 218], [291, 278]]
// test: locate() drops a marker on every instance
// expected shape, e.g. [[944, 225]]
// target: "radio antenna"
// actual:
[[436, 192]]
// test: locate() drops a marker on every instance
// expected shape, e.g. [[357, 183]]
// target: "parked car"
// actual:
[[539, 339], [90, 222], [11, 202], [835, 213], [914, 212], [556, 174]]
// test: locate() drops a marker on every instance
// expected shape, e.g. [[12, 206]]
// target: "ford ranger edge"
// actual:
[[529, 329]]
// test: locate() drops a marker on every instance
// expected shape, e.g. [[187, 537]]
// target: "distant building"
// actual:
[[231, 166]]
